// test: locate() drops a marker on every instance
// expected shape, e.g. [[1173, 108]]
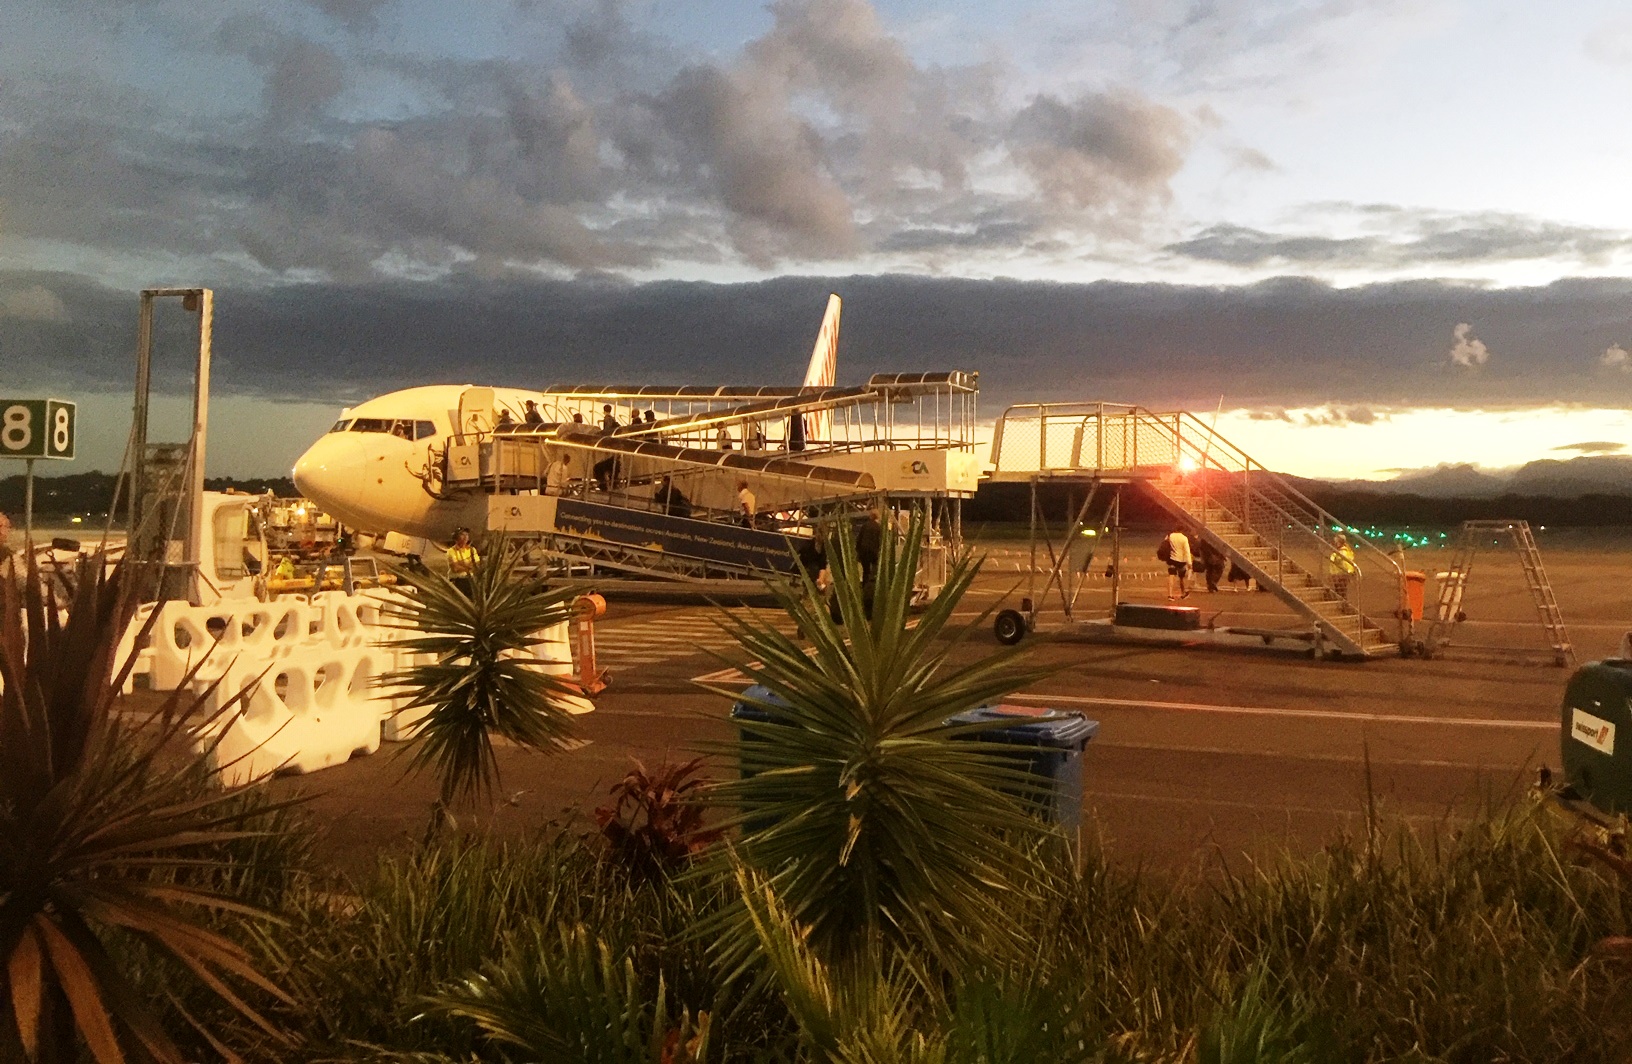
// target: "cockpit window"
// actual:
[[402, 428], [342, 425]]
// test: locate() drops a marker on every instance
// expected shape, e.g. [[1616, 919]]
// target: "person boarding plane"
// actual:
[[367, 471]]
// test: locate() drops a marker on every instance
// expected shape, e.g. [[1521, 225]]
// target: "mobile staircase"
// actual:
[[1216, 491], [1453, 584]]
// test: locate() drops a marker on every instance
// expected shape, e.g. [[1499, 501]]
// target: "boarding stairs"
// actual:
[[1454, 581], [1218, 493]]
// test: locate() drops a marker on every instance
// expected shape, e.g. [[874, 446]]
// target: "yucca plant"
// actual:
[[482, 681], [576, 999], [874, 819], [102, 836]]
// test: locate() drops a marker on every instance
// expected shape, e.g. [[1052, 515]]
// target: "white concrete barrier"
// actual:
[[552, 648], [304, 712], [184, 635]]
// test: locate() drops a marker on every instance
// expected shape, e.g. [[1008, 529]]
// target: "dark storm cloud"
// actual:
[[1286, 343], [1107, 152], [329, 151], [1406, 238]]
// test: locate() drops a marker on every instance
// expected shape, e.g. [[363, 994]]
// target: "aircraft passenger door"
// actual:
[[476, 410]]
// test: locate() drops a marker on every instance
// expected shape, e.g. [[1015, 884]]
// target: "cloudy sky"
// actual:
[[1376, 234]]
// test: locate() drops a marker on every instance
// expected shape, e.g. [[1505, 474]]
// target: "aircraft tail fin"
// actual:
[[824, 358], [823, 369]]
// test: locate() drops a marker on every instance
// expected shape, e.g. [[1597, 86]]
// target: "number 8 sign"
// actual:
[[36, 428]]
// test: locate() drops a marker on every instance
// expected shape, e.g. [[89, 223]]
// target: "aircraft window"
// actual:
[[371, 424], [341, 425], [423, 429], [403, 429]]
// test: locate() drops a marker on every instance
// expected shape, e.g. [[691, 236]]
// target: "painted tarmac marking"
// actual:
[[1268, 711]]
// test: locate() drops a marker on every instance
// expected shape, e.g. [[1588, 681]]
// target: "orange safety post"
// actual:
[[586, 608], [1412, 594]]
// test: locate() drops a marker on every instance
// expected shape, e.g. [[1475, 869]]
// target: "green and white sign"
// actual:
[[36, 428]]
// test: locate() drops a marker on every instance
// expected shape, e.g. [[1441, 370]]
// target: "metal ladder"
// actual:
[[1453, 585]]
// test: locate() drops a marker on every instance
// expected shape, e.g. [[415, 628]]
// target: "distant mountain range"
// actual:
[[1568, 478]]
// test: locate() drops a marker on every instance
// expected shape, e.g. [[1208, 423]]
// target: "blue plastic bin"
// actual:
[[1050, 742]]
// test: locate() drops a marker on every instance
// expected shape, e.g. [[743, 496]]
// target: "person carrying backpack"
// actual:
[[1174, 549]]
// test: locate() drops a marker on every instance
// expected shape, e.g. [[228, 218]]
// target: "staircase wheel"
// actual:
[[1009, 627]]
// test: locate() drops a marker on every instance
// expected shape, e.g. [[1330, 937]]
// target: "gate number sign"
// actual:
[[36, 428]]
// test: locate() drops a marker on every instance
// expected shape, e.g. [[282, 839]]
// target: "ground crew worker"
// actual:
[[1340, 564], [462, 562], [285, 569]]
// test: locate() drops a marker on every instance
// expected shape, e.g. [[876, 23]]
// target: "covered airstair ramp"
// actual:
[[1214, 490], [606, 499]]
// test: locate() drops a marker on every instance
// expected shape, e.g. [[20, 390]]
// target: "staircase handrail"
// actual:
[[1210, 452], [1325, 519]]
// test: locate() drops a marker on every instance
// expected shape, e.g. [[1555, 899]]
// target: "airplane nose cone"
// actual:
[[331, 472]]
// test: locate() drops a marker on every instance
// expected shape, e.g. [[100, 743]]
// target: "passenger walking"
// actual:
[[532, 417], [747, 505], [1211, 561], [869, 545], [558, 474], [1340, 565], [670, 499], [462, 561], [609, 420], [506, 422], [723, 439], [1175, 551]]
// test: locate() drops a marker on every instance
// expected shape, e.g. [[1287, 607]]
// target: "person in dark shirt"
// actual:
[[670, 498], [869, 543], [1211, 561], [505, 423], [532, 416], [609, 420]]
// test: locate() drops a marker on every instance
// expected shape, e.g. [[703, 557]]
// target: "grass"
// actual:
[[1388, 946]]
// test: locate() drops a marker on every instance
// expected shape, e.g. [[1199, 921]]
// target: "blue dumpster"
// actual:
[[1048, 742]]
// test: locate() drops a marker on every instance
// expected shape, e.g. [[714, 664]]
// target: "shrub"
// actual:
[[482, 682], [878, 824], [657, 822], [101, 838]]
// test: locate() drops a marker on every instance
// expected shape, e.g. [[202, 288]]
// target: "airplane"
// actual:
[[369, 470]]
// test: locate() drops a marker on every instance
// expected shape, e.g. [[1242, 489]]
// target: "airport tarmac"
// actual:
[[1203, 754]]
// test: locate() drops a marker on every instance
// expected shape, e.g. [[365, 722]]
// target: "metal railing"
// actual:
[[1211, 477]]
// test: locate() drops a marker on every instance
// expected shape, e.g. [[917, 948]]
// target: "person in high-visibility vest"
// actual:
[[462, 562], [1340, 564]]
